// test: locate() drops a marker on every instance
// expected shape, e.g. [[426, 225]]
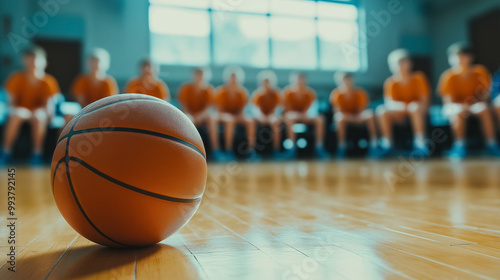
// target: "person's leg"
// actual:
[[17, 117], [275, 126], [39, 127], [482, 111], [341, 120], [385, 122], [229, 126], [341, 123], [212, 124], [417, 118], [387, 119], [213, 132], [496, 104], [457, 114], [368, 117], [319, 123], [319, 127], [290, 119], [250, 126]]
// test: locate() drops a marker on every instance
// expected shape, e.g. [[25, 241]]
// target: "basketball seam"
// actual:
[[67, 159], [126, 129], [135, 130], [132, 188], [63, 159], [120, 101]]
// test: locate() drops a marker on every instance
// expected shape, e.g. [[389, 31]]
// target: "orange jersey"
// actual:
[[414, 90], [232, 102], [157, 89], [92, 91], [266, 100], [468, 89], [298, 101], [27, 94], [350, 103], [195, 100]]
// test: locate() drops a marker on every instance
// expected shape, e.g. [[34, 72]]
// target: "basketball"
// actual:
[[128, 170], [268, 139]]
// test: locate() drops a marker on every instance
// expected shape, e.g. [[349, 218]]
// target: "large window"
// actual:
[[289, 34]]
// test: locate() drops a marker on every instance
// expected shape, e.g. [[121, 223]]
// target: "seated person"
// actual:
[[30, 93], [96, 84], [406, 94], [298, 98], [267, 98], [230, 100], [350, 104], [465, 90], [148, 82], [195, 99]]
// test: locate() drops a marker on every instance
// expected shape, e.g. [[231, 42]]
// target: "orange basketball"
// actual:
[[128, 170]]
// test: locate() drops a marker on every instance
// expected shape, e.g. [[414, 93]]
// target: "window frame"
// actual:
[[362, 55]]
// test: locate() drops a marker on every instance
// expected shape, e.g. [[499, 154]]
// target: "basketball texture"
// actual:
[[128, 170]]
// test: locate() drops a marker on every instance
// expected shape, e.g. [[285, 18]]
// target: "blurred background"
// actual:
[[317, 37]]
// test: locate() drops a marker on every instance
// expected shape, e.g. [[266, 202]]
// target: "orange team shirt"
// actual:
[[465, 89], [298, 102], [232, 102], [195, 100], [266, 100], [412, 91], [28, 95], [158, 89], [350, 103], [93, 91]]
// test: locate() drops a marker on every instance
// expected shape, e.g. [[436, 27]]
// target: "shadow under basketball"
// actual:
[[91, 261]]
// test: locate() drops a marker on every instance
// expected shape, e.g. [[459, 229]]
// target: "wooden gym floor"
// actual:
[[296, 220]]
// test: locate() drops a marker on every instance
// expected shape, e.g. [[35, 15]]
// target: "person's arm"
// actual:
[[78, 92], [286, 100], [485, 81], [334, 101], [244, 94], [113, 86], [11, 87], [444, 88], [424, 90], [129, 88], [363, 102], [51, 107], [254, 101], [312, 98], [54, 90], [181, 97]]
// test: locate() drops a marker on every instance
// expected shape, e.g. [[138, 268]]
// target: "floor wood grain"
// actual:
[[293, 220]]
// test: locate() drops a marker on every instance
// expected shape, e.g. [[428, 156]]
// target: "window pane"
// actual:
[[337, 45], [249, 6], [179, 36], [293, 8], [241, 39], [293, 43], [183, 3], [337, 11]]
